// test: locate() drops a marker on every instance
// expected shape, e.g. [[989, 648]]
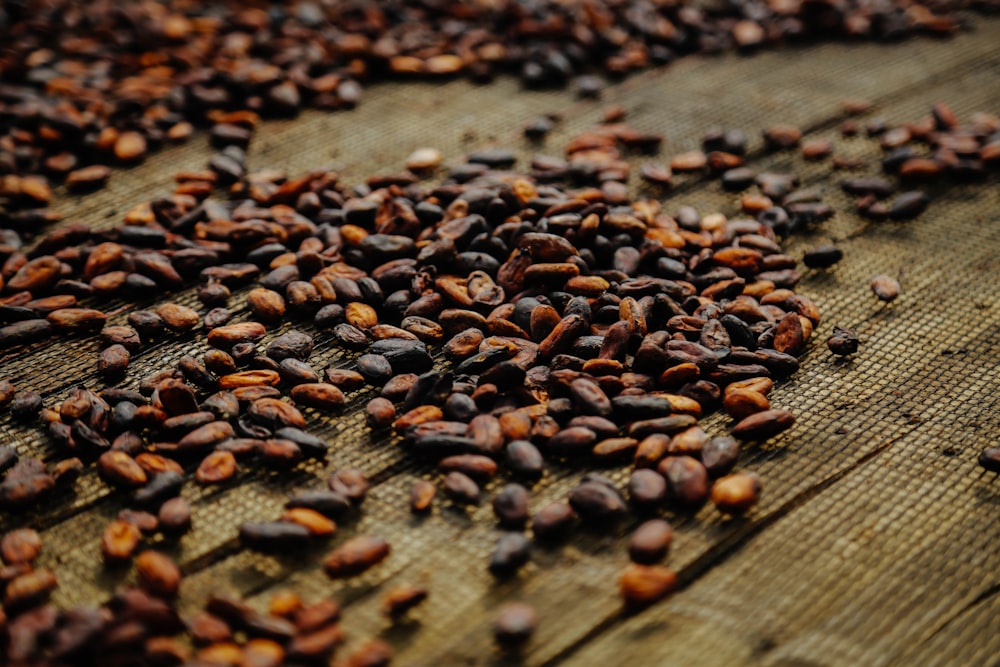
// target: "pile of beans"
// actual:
[[509, 322], [123, 79]]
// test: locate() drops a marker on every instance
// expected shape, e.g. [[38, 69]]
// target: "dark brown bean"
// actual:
[[687, 480], [512, 551], [524, 460], [719, 455], [989, 459], [461, 489], [650, 542], [598, 504], [843, 341], [647, 489], [511, 506], [274, 536], [515, 624], [174, 517]]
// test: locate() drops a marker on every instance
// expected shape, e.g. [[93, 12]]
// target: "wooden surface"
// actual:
[[877, 541]]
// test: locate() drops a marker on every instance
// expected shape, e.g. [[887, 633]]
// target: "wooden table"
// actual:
[[877, 541]]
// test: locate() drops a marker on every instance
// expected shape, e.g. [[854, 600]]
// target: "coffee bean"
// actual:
[[119, 542], [460, 489], [421, 496], [843, 341], [763, 425], [719, 455], [597, 504], [885, 287], [513, 550], [524, 460], [121, 469], [21, 545], [553, 522], [736, 493], [642, 585], [399, 600], [650, 542], [510, 505], [515, 624], [219, 466], [647, 489], [158, 574], [989, 459], [687, 480], [355, 556], [274, 536], [174, 517]]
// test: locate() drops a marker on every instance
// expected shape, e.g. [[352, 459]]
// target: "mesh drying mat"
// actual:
[[876, 541]]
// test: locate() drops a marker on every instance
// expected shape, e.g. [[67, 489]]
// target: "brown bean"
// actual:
[[21, 545], [351, 483], [741, 403], [319, 395], [515, 624], [177, 317], [266, 305], [736, 493], [113, 361], [380, 413], [461, 489], [643, 585], [421, 496], [763, 425], [687, 480], [158, 574], [77, 319], [28, 589], [317, 524], [355, 556], [231, 334], [121, 469], [174, 517], [650, 542], [217, 467], [885, 287], [119, 542]]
